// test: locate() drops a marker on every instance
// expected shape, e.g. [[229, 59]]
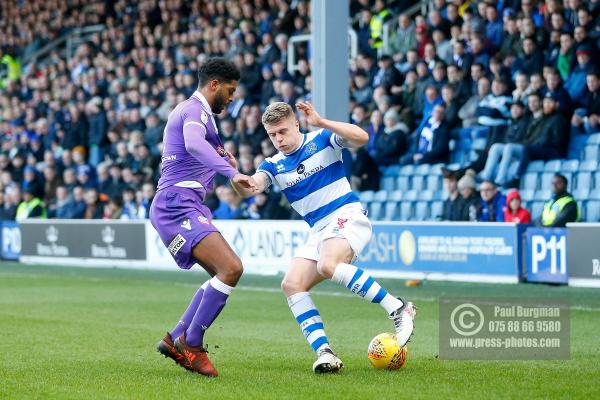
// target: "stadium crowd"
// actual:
[[81, 137]]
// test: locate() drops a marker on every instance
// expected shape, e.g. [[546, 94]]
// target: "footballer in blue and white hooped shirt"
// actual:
[[308, 168]]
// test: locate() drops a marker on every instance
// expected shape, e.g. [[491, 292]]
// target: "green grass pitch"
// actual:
[[80, 333]]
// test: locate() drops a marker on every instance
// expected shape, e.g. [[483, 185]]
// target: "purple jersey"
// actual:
[[193, 152]]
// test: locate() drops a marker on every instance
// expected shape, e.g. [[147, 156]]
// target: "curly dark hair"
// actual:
[[217, 68]]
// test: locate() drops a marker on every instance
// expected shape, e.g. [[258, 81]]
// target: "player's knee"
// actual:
[[326, 267], [291, 287], [233, 271]]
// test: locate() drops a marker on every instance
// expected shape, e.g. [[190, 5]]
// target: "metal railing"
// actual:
[[71, 40], [292, 64]]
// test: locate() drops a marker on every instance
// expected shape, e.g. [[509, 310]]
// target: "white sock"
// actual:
[[361, 283], [308, 318]]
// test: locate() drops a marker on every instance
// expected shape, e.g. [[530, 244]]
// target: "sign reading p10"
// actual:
[[547, 255]]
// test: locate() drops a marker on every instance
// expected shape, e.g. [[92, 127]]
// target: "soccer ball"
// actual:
[[386, 353]]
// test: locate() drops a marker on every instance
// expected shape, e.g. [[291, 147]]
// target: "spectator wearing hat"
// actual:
[[31, 206], [32, 182], [575, 83], [514, 211], [586, 119], [562, 207], [469, 203], [553, 138], [492, 205]]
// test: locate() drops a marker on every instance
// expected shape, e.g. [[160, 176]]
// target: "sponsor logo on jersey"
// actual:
[[341, 222], [187, 225], [176, 244], [172, 157], [303, 174], [280, 167], [203, 220]]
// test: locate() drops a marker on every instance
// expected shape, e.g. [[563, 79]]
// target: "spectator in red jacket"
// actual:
[[514, 212]]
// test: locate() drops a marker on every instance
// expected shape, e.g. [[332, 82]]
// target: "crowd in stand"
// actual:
[[83, 135]]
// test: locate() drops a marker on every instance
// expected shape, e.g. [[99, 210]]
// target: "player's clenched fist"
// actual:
[[247, 182], [312, 116]]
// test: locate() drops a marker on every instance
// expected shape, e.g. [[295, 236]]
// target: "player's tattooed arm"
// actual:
[[349, 135]]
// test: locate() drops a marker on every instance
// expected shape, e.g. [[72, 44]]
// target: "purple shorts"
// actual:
[[181, 221]]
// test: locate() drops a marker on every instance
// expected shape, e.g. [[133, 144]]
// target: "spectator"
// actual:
[[587, 118], [403, 38], [7, 213], [552, 140], [431, 144], [375, 128], [555, 87], [494, 109], [469, 203], [229, 204], [94, 208], [113, 209], [562, 208], [30, 207], [391, 144], [32, 182], [502, 152], [575, 83], [492, 205], [452, 205], [514, 212], [468, 112], [365, 172]]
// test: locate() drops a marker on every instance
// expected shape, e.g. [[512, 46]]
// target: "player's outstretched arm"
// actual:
[[352, 135], [259, 181], [195, 143]]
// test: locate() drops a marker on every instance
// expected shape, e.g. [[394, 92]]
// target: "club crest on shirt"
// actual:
[[204, 117], [311, 148]]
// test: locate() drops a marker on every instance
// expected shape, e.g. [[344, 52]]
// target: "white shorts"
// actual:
[[349, 223]]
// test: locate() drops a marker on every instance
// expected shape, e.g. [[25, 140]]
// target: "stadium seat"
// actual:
[[422, 169], [529, 181], [366, 196], [583, 181], [437, 209], [388, 183], [592, 211], [594, 138], [543, 195], [581, 194], [418, 182], [570, 166], [403, 183], [407, 170], [588, 166], [376, 210], [597, 180], [380, 196], [527, 194], [425, 195], [422, 210], [577, 143], [434, 182], [436, 169], [591, 152], [411, 195], [552, 166], [396, 196], [536, 210], [535, 166], [546, 180], [392, 170], [406, 208], [392, 211], [593, 195]]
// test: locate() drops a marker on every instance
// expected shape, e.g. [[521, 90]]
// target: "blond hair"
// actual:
[[276, 112]]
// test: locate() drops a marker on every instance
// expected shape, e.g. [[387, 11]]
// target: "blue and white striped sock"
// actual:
[[308, 318], [361, 283]]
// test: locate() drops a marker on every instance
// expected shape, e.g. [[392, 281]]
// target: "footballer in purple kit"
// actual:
[[192, 155]]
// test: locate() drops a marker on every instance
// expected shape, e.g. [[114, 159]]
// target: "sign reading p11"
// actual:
[[547, 255]]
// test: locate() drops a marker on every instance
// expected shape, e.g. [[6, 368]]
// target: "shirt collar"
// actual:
[[203, 100]]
